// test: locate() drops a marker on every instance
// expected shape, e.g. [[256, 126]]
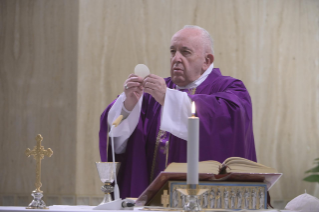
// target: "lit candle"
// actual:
[[193, 148]]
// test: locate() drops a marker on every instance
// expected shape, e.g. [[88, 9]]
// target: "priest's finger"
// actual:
[[152, 77], [149, 90], [129, 90], [132, 84], [152, 81], [158, 95], [133, 79], [149, 85], [132, 96], [134, 76], [149, 80], [156, 83]]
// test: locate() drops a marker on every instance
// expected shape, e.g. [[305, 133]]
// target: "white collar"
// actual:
[[197, 82]]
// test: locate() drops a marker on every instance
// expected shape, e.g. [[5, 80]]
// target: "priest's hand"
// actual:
[[133, 90], [155, 86]]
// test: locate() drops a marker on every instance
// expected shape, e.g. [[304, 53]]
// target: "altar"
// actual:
[[83, 208]]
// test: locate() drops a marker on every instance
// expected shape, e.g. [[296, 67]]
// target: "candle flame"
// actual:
[[193, 108]]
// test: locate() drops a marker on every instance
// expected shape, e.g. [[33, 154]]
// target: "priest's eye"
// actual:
[[186, 52], [173, 52]]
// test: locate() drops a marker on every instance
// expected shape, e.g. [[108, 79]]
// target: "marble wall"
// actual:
[[63, 62], [38, 90]]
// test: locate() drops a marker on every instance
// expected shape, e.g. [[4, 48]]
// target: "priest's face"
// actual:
[[188, 56]]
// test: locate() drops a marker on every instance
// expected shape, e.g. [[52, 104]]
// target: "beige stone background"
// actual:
[[63, 62]]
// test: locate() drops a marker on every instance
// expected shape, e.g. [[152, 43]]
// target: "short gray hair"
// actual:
[[207, 38]]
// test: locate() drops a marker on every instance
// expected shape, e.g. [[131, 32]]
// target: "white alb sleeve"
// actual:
[[124, 130], [175, 112]]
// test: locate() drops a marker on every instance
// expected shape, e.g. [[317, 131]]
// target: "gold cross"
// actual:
[[38, 153]]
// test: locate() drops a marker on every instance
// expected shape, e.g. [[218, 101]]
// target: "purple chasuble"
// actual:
[[224, 108]]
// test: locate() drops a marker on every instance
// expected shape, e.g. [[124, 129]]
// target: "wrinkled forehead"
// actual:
[[190, 38]]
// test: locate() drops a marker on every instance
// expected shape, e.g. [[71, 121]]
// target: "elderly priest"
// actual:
[[154, 130]]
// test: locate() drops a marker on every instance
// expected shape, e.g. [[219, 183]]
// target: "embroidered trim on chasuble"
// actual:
[[162, 145], [162, 142]]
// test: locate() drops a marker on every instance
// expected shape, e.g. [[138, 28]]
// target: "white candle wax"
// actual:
[[193, 150]]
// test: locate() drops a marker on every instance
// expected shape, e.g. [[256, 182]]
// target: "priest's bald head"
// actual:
[[191, 54]]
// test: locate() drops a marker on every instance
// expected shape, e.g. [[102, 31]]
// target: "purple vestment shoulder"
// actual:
[[224, 107]]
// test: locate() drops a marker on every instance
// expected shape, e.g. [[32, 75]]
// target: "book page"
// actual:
[[209, 166], [237, 164]]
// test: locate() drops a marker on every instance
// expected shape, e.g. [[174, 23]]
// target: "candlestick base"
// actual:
[[191, 197], [192, 203], [37, 202]]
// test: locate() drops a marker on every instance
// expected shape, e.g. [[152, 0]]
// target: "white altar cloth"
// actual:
[[85, 208]]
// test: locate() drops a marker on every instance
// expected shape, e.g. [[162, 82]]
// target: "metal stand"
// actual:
[[107, 189], [192, 194], [37, 202], [192, 203]]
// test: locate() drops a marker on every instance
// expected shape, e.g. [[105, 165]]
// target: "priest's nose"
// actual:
[[177, 58]]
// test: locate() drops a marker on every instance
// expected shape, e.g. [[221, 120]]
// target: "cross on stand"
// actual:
[[38, 153]]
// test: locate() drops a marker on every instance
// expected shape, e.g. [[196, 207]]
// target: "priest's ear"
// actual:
[[209, 59]]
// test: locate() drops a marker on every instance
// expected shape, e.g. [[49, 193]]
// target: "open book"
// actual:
[[234, 169], [230, 165]]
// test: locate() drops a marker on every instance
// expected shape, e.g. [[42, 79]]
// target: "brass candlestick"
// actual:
[[38, 153]]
